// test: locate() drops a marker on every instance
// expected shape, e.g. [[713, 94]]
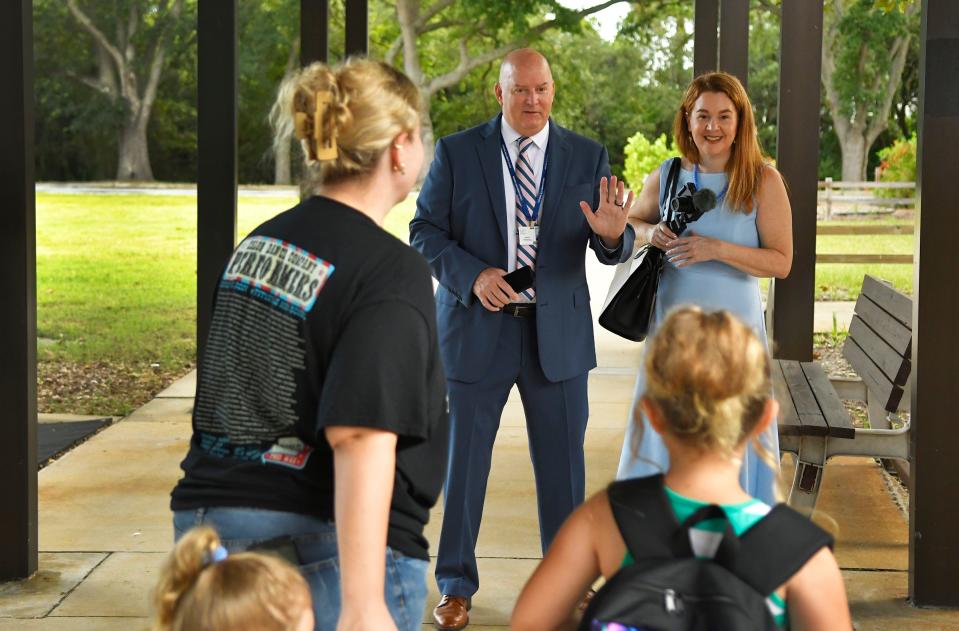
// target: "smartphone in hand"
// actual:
[[521, 278]]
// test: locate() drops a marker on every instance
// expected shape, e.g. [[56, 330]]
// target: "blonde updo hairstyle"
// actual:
[[371, 103], [708, 374], [245, 591]]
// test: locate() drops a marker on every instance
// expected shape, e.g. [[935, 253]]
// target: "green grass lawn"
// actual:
[[116, 294], [835, 281], [116, 291]]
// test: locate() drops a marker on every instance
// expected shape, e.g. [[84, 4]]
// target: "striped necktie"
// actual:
[[528, 188]]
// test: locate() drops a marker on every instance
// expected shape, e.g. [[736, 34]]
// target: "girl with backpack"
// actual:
[[691, 549]]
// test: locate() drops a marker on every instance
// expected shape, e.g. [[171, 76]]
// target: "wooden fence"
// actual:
[[864, 230], [856, 194]]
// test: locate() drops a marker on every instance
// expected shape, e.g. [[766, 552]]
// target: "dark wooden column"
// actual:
[[18, 318], [217, 72], [798, 159], [734, 38], [314, 31], [357, 27], [706, 38], [934, 494]]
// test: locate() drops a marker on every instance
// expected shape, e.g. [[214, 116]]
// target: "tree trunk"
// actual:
[[118, 77], [429, 140], [133, 162], [854, 152], [858, 131], [282, 173]]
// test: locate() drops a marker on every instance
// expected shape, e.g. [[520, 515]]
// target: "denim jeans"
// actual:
[[315, 541]]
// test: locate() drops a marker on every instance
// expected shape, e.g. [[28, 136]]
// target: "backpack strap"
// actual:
[[648, 523], [644, 516], [669, 191], [728, 549], [776, 547]]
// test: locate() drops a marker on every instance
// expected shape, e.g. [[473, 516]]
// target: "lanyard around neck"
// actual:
[[531, 214], [719, 198]]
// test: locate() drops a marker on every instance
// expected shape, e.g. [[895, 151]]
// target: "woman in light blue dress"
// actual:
[[717, 262]]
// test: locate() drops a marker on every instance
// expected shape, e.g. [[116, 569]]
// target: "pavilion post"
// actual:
[[217, 73], [797, 158], [314, 31], [357, 27], [734, 38], [933, 492], [706, 38], [18, 318]]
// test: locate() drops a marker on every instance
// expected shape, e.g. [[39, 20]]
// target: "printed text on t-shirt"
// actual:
[[280, 271]]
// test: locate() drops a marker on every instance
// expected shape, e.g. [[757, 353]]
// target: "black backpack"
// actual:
[[669, 589]]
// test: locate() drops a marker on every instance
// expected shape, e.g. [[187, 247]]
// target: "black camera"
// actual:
[[689, 205]]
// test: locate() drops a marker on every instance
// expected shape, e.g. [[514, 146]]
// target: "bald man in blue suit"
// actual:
[[506, 194]]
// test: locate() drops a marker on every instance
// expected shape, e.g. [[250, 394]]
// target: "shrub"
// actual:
[[898, 164], [643, 156]]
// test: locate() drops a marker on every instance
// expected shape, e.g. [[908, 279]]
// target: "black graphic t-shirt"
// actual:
[[321, 319]]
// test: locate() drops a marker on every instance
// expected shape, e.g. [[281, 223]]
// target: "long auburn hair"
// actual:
[[746, 162]]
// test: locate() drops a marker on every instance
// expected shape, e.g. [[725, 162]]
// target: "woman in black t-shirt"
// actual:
[[320, 428]]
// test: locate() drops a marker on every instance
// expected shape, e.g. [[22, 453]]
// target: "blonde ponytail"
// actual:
[[202, 588]]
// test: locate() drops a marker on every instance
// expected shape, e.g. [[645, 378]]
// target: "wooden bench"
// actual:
[[814, 425]]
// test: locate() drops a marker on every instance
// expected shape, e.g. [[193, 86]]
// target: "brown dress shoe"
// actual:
[[452, 613]]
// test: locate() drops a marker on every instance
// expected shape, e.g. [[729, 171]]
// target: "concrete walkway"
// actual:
[[105, 525]]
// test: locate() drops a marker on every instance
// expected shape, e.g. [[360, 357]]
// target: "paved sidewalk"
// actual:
[[105, 524]]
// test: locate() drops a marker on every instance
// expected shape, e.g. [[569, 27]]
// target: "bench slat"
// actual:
[[893, 365], [897, 304], [788, 421], [814, 425], [888, 393], [799, 388], [885, 326], [836, 416]]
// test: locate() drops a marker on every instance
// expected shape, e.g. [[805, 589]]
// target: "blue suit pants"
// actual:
[[556, 415]]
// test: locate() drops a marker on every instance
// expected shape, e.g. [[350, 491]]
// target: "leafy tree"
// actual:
[[441, 42], [764, 33], [663, 31], [604, 89], [70, 119], [598, 89], [269, 49], [173, 128], [865, 48], [128, 67]]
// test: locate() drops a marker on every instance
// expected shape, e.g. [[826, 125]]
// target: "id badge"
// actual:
[[528, 234]]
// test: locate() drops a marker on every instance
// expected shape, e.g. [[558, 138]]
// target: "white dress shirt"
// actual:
[[535, 155]]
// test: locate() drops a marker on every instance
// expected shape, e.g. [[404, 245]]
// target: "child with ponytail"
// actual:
[[202, 587], [708, 397]]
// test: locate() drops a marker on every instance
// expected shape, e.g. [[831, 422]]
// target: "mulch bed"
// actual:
[[101, 388], [835, 365]]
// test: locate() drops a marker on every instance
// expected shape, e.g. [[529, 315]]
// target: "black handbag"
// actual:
[[630, 308]]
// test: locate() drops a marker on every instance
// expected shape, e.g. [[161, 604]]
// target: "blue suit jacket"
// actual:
[[460, 227]]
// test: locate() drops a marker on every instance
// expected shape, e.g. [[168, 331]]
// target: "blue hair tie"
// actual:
[[216, 555]]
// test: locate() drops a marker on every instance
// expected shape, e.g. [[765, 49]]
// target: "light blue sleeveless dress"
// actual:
[[711, 285]]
